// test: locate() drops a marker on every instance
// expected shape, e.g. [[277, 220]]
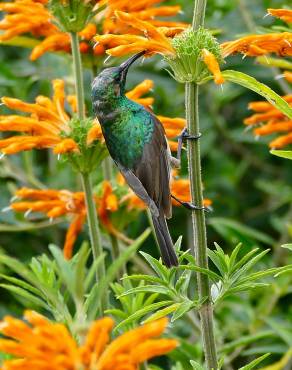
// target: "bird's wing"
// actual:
[[150, 177]]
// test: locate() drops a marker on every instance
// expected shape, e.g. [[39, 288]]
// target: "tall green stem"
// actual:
[[199, 248], [94, 232], [78, 74]]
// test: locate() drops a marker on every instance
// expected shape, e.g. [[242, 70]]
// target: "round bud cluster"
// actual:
[[188, 64]]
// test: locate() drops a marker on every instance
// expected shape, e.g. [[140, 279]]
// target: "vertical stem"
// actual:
[[78, 74], [94, 232], [199, 248], [199, 14]]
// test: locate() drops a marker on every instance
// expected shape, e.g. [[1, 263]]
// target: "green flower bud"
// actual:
[[188, 65]]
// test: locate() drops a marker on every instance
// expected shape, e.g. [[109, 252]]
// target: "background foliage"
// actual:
[[250, 189]]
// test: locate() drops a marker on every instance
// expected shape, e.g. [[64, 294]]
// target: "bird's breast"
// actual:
[[126, 135]]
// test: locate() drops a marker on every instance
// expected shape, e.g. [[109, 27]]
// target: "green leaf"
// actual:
[[142, 312], [287, 246], [212, 275], [93, 301], [282, 153], [157, 266], [162, 313], [260, 88], [255, 362], [246, 267], [148, 278], [146, 289], [25, 294], [196, 365], [183, 308], [22, 284]]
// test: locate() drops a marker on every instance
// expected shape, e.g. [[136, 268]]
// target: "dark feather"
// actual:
[[149, 179]]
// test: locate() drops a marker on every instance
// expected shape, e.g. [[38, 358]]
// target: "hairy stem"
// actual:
[[78, 74], [199, 247], [94, 232]]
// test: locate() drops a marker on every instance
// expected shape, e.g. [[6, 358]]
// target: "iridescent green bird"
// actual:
[[136, 141]]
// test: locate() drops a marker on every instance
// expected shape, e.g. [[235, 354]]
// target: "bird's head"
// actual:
[[111, 81]]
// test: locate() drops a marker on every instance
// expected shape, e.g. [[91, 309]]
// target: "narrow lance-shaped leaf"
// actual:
[[287, 154], [260, 88], [255, 362]]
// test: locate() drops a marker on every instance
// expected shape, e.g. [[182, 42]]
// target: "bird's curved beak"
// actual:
[[124, 67]]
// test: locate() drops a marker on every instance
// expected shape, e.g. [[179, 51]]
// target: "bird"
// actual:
[[136, 141]]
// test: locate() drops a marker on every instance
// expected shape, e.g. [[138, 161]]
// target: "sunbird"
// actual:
[[136, 141]]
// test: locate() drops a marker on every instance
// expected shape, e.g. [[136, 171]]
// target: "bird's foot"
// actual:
[[184, 135], [190, 206]]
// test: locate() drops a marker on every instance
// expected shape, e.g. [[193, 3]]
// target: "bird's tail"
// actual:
[[168, 255]]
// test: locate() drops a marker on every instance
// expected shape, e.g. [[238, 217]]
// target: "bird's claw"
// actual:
[[190, 206], [184, 135]]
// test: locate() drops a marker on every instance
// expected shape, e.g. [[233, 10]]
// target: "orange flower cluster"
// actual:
[[271, 121], [48, 121], [145, 36], [141, 9], [284, 14], [257, 45], [42, 345], [43, 128], [58, 203], [33, 17]]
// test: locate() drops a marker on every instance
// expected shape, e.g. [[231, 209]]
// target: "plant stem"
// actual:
[[94, 232], [78, 74], [199, 14], [199, 225], [199, 248]]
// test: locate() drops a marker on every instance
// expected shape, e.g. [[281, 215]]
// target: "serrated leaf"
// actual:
[[157, 266], [255, 362], [246, 267], [162, 313], [147, 289], [25, 294], [183, 308], [148, 278], [212, 275], [142, 312], [287, 154], [196, 365], [93, 301], [22, 284], [260, 88]]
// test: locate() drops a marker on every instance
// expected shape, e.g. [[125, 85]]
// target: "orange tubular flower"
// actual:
[[213, 66], [257, 45], [288, 76], [144, 10], [284, 14], [58, 203], [33, 17], [154, 41], [272, 121], [43, 128], [40, 344]]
